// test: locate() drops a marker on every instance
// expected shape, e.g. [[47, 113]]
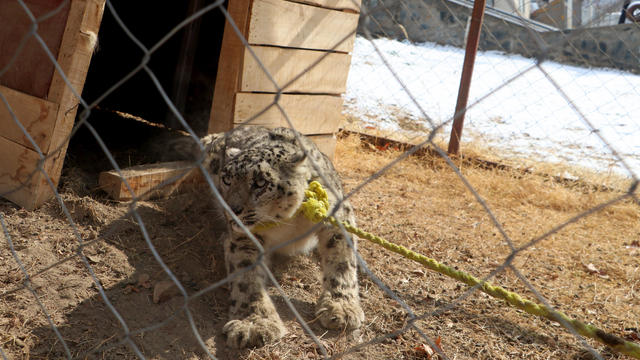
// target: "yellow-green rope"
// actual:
[[316, 206]]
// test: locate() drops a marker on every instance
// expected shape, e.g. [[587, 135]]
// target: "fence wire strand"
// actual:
[[131, 336]]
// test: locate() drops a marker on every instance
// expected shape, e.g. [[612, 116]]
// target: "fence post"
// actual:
[[467, 70]]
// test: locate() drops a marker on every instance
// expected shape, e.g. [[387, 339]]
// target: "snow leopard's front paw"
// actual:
[[339, 314], [253, 331]]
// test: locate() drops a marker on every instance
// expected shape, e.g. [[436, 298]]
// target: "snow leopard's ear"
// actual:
[[282, 134], [296, 158], [187, 148], [232, 152]]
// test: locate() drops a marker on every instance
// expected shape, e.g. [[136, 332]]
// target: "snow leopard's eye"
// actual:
[[226, 179], [259, 182]]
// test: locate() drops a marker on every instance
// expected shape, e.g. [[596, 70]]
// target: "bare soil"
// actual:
[[589, 269]]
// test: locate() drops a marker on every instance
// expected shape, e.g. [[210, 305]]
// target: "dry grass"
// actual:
[[424, 205], [588, 269]]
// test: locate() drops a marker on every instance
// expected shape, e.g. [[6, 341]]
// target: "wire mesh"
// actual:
[[91, 296]]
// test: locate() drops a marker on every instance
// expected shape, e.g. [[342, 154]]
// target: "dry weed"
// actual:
[[588, 269]]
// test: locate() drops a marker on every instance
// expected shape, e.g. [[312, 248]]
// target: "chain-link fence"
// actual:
[[86, 277], [529, 114]]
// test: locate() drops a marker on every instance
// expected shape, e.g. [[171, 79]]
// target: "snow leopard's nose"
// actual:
[[237, 209]]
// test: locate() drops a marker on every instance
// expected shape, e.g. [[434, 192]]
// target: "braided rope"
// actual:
[[316, 206]]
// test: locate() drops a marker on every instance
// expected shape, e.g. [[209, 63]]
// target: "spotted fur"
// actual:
[[262, 175]]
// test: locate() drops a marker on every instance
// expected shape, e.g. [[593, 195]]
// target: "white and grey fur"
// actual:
[[262, 175]]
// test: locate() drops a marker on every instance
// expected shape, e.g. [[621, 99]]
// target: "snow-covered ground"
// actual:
[[524, 118]]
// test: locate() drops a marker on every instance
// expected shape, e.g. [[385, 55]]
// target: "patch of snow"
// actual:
[[513, 107]]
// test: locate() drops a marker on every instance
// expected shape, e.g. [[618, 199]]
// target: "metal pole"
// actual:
[[467, 71]]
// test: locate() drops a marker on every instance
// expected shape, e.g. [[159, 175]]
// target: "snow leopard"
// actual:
[[262, 174]]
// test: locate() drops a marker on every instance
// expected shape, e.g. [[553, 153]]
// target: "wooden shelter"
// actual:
[[37, 95], [305, 46]]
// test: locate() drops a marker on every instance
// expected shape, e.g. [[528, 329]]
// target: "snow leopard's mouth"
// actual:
[[248, 221], [237, 229]]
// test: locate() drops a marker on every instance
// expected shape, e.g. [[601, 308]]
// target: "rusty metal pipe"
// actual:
[[467, 71]]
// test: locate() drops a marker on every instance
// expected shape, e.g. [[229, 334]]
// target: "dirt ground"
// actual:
[[589, 269]]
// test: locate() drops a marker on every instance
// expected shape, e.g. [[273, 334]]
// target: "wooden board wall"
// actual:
[[304, 46], [31, 70], [79, 41], [324, 118], [284, 23], [36, 115], [20, 177], [229, 67], [349, 5], [295, 70], [48, 117]]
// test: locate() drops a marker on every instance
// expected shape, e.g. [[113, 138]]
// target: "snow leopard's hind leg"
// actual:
[[254, 321]]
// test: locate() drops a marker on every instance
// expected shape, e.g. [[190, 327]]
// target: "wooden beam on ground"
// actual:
[[288, 24], [325, 117], [150, 180], [163, 179], [18, 182]]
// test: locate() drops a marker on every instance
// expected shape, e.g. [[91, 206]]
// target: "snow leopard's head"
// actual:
[[263, 184]]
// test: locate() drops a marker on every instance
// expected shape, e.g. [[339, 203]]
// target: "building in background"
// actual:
[[515, 7], [571, 14]]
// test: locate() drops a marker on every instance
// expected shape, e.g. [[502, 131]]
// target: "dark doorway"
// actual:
[[185, 65]]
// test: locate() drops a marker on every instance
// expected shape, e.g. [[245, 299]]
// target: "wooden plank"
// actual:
[[32, 69], [326, 143], [284, 23], [19, 179], [351, 5], [162, 179], [325, 117], [79, 40], [328, 76], [36, 115], [148, 180], [229, 67], [78, 44]]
